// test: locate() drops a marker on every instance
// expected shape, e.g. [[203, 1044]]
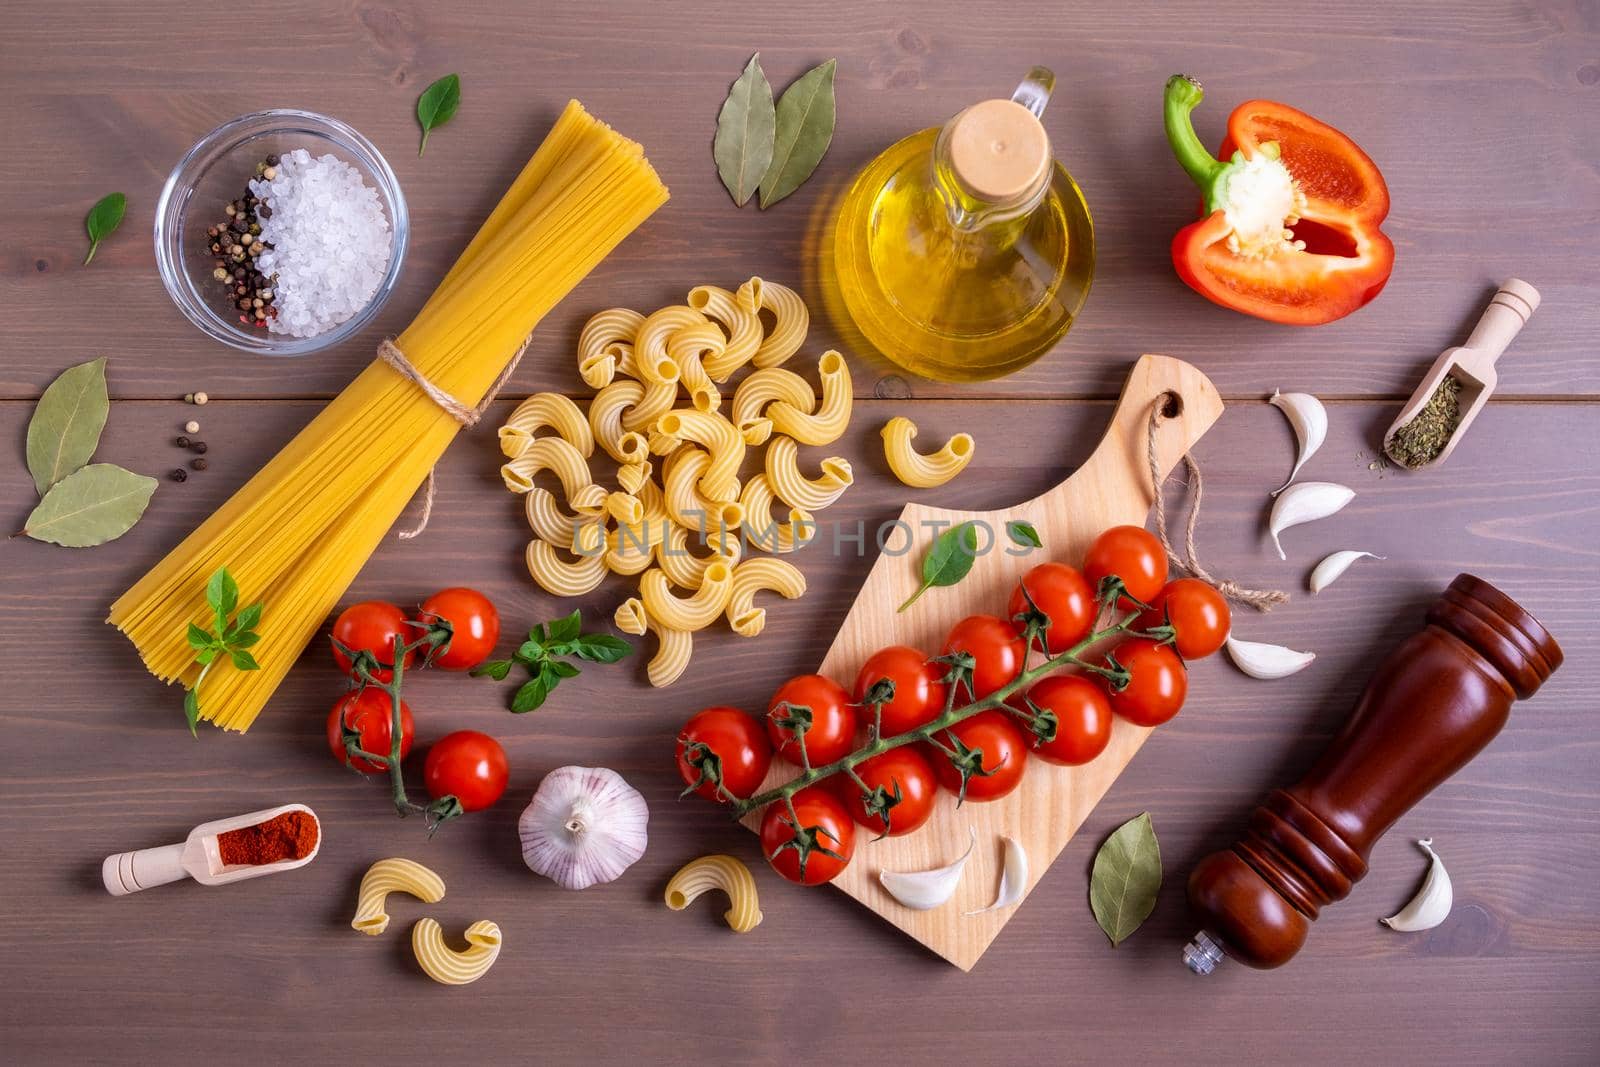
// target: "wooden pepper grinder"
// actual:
[[1433, 704]]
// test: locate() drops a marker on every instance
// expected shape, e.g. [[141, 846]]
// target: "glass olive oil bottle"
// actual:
[[963, 253]]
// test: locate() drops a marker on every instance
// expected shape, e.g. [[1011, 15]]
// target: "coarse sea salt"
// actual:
[[330, 242]]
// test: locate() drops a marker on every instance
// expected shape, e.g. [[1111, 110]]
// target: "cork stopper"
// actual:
[[999, 150]]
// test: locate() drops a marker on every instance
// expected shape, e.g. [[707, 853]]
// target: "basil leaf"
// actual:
[[244, 640], [437, 105], [1023, 534], [497, 669], [562, 669], [198, 638], [1126, 878], [191, 712], [206, 655], [949, 559], [567, 629], [529, 653], [102, 220], [745, 129], [222, 593], [249, 618], [91, 506], [601, 648], [804, 128], [244, 661], [530, 697], [66, 423]]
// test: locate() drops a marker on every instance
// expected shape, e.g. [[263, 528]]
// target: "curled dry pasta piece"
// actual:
[[794, 488], [650, 344], [682, 567], [394, 875], [791, 320], [718, 872], [761, 388], [597, 353], [689, 347], [628, 550], [559, 577], [831, 417], [625, 508], [743, 329], [673, 647], [546, 518], [541, 410], [590, 501], [656, 402], [765, 532], [444, 964], [684, 478], [693, 612], [721, 478], [923, 471], [749, 578], [553, 454], [605, 415], [633, 476]]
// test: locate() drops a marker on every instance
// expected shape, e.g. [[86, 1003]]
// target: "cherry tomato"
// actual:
[[919, 695], [469, 766], [822, 816], [1005, 753], [1064, 595], [833, 720], [369, 711], [994, 644], [475, 627], [1158, 685], [1196, 611], [372, 626], [1132, 554], [905, 767], [1083, 718], [740, 745]]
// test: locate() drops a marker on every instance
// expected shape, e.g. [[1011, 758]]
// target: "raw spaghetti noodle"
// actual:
[[298, 532]]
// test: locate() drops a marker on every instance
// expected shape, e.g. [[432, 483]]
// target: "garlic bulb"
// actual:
[[1432, 902], [1267, 661], [1013, 878], [584, 825], [921, 890], [1310, 421], [1334, 565], [1304, 503]]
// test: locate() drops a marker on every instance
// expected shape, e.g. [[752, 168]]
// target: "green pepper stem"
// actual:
[[1183, 95]]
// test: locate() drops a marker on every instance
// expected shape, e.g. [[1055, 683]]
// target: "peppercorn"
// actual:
[[180, 475], [199, 446], [272, 161], [183, 442], [255, 229], [198, 464], [199, 398], [270, 173], [229, 210], [263, 212], [191, 426], [220, 275], [239, 225]]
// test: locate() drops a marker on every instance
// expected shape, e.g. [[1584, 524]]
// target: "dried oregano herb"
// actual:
[[1420, 441]]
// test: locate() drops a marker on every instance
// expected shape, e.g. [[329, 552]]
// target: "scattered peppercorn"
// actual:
[[198, 464], [200, 447], [237, 238], [199, 398], [180, 475], [191, 427], [183, 442]]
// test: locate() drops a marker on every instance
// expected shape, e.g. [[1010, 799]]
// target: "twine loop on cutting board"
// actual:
[[390, 353], [1260, 599]]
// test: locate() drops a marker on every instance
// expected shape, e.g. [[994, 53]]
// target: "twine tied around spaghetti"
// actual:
[[1260, 599], [390, 353]]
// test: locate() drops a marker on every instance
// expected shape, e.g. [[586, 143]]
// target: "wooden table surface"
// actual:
[[1485, 118]]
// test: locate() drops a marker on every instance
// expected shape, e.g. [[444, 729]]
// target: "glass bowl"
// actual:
[[214, 172]]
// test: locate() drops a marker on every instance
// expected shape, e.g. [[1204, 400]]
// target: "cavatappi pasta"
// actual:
[[451, 967], [684, 395], [923, 471], [724, 873], [393, 875]]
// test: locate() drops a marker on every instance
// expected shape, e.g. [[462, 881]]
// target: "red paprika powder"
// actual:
[[290, 836]]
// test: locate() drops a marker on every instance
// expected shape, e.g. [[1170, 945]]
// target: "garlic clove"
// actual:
[[1267, 661], [1310, 421], [1433, 901], [1334, 565], [584, 825], [922, 890], [1305, 502], [1013, 878]]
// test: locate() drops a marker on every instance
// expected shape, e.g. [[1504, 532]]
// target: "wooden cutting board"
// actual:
[[1112, 488]]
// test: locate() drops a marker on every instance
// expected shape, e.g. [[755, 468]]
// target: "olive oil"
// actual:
[[952, 285]]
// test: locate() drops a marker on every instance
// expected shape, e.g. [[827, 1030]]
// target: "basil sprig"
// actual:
[[545, 655], [228, 639]]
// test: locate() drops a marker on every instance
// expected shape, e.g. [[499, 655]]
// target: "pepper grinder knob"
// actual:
[[1201, 955]]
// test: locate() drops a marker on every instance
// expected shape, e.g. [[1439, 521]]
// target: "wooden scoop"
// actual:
[[198, 857], [1472, 364]]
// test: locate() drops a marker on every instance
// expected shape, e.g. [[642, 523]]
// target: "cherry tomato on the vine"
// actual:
[[1066, 598], [740, 745], [1083, 718], [1133, 554], [1158, 685], [1196, 611], [475, 627], [371, 712], [373, 626], [1005, 754], [919, 694], [469, 766], [906, 768], [821, 818], [998, 651], [833, 720]]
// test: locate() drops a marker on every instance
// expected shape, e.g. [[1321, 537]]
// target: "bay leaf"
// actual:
[[1126, 878], [91, 506], [745, 127], [805, 119], [66, 423]]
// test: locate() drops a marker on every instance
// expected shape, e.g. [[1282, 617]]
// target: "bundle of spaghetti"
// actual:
[[297, 533]]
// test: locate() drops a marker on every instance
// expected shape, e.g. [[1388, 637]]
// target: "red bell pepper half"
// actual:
[[1291, 228]]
